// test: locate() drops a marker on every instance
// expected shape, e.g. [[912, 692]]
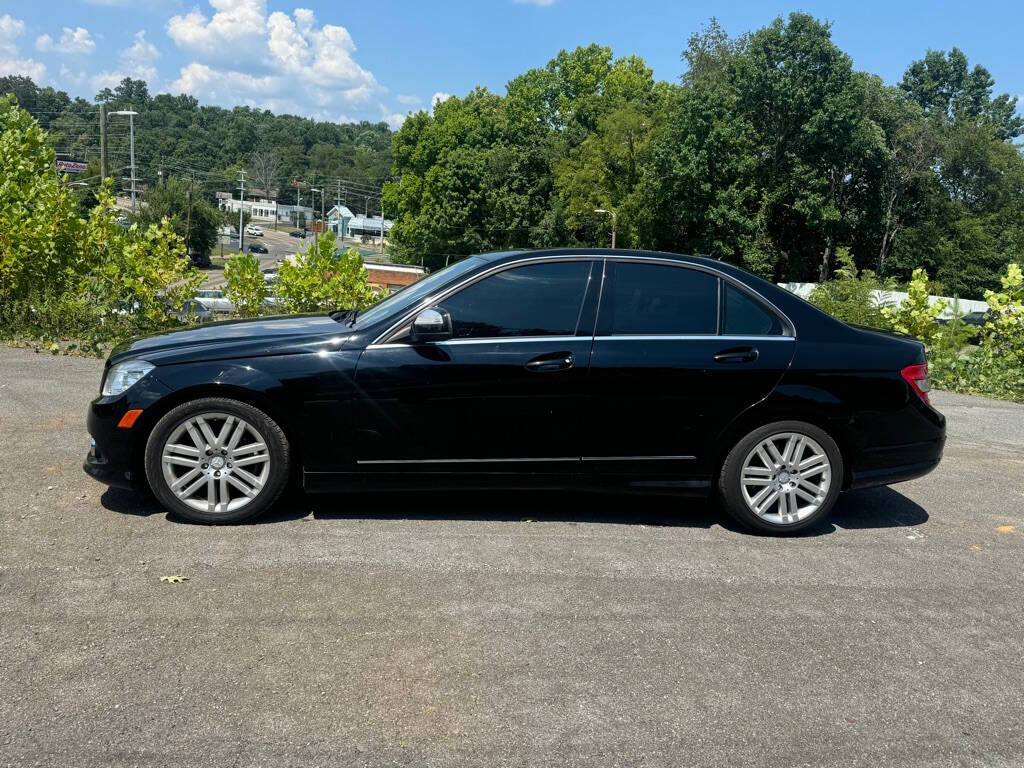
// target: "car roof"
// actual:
[[497, 257]]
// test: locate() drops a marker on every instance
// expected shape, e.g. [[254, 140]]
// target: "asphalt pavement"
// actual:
[[513, 629]]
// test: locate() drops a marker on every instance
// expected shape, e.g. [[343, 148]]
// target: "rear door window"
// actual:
[[746, 316]]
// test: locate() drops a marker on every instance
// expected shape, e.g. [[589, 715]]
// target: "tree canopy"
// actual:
[[771, 152]]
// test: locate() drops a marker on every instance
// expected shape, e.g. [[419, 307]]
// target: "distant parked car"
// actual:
[[253, 230], [298, 233], [270, 275], [215, 299], [258, 248], [191, 310]]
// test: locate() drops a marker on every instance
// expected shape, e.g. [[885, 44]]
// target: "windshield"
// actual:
[[412, 294]]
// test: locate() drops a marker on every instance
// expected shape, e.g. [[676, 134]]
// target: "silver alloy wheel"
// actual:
[[785, 478], [215, 462]]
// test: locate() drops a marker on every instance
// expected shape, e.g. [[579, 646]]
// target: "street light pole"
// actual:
[[603, 210], [131, 134], [316, 231]]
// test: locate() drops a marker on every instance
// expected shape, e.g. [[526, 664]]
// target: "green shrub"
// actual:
[[914, 316], [848, 296], [319, 279], [246, 287]]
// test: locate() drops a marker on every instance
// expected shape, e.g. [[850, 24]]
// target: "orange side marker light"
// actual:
[[130, 417]]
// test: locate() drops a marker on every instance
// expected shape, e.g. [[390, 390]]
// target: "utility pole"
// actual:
[[298, 205], [103, 142], [188, 220], [241, 209], [382, 223], [131, 133]]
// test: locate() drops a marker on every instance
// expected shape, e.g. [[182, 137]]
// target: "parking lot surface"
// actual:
[[520, 629]]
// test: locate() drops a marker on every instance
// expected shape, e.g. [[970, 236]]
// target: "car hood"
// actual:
[[233, 338]]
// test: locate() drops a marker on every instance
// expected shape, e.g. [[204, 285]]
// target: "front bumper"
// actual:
[[116, 454]]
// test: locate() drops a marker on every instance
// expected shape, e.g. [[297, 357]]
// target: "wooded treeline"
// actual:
[[771, 152], [210, 145]]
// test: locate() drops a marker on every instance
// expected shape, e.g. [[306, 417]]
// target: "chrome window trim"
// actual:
[[789, 329]]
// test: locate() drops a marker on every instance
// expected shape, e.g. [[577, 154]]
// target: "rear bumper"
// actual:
[[888, 475], [883, 465]]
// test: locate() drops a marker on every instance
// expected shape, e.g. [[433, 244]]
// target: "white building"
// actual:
[[263, 209]]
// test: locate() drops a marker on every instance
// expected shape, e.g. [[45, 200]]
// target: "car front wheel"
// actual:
[[216, 460], [782, 477]]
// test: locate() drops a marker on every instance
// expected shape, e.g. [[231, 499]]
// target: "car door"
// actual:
[[670, 369], [503, 394]]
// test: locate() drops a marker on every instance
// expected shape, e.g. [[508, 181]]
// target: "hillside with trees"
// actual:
[[176, 136]]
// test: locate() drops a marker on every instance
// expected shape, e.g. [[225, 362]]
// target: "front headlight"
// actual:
[[123, 375]]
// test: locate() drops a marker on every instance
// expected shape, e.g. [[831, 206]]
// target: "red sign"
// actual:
[[70, 166]]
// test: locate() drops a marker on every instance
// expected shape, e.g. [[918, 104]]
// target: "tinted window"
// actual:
[[539, 300], [745, 316], [656, 300], [408, 296]]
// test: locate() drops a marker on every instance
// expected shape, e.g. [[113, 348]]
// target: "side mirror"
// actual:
[[431, 325]]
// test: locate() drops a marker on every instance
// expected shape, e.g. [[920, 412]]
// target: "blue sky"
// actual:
[[379, 60]]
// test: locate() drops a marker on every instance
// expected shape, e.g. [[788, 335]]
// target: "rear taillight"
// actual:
[[917, 377]]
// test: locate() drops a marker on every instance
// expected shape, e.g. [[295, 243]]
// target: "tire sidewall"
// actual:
[[273, 436], [730, 490]]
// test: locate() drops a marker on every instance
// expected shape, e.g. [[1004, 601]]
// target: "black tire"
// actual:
[[730, 490], [277, 473]]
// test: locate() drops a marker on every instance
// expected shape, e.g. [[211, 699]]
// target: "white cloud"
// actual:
[[75, 40], [29, 67], [240, 54], [393, 119], [437, 98], [10, 29], [10, 63], [138, 61], [234, 23]]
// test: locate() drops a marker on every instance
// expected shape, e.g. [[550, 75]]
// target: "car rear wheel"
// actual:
[[782, 477], [216, 460]]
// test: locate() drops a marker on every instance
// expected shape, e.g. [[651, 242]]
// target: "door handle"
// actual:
[[556, 361], [737, 355]]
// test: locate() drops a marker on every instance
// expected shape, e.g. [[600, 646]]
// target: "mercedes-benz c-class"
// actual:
[[630, 370]]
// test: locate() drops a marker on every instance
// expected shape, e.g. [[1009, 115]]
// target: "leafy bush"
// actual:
[[40, 235], [1004, 331], [320, 279], [915, 316], [848, 296], [246, 287]]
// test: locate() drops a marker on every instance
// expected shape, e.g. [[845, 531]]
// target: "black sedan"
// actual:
[[645, 372], [258, 248]]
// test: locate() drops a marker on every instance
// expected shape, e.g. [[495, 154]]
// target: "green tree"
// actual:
[[190, 217], [320, 279], [40, 235], [245, 284]]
